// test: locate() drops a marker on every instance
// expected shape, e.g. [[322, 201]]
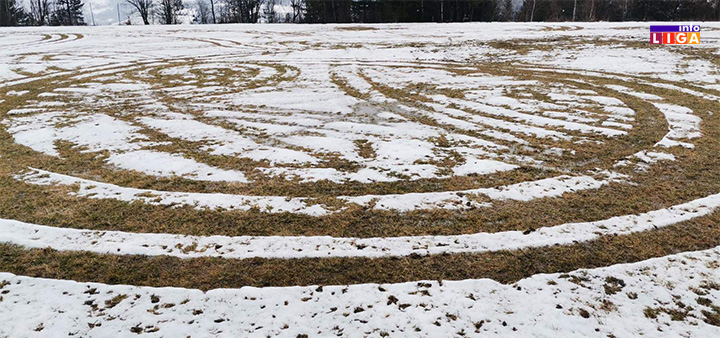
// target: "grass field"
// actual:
[[374, 180]]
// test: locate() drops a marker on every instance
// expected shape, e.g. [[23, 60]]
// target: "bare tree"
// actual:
[[203, 12], [554, 11], [68, 13], [591, 11], [574, 10], [269, 11], [243, 11], [144, 7], [169, 11], [532, 12], [212, 9], [40, 12], [298, 8]]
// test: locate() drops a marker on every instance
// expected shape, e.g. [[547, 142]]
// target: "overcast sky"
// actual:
[[105, 11]]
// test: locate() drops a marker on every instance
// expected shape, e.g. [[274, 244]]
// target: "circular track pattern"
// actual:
[[343, 162]]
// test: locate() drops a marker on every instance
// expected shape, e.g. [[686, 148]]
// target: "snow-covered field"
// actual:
[[593, 303], [481, 160]]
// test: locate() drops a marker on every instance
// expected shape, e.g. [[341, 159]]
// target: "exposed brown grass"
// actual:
[[695, 174], [355, 28]]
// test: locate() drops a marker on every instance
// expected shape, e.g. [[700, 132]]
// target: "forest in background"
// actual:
[[72, 12]]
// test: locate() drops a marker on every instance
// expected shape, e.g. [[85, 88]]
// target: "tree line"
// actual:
[[70, 12], [619, 10], [383, 11], [42, 12], [377, 11]]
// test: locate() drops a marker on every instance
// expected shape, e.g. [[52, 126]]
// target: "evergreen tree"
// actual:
[[11, 13], [169, 11], [67, 13], [505, 10], [204, 13], [241, 11], [39, 12]]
